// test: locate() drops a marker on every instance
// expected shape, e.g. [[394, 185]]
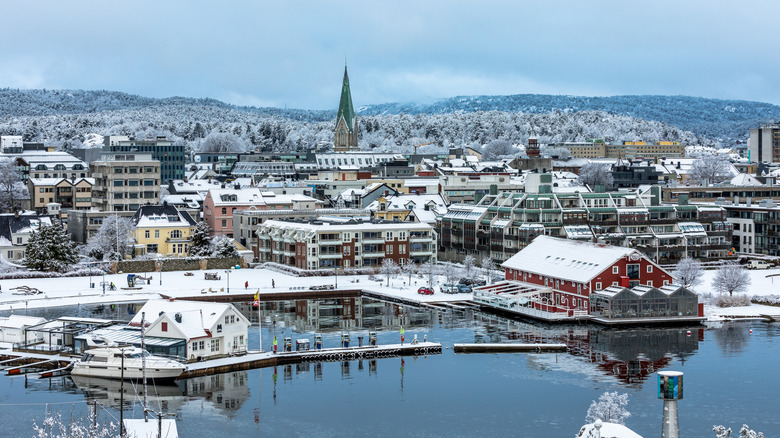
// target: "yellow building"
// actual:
[[162, 229]]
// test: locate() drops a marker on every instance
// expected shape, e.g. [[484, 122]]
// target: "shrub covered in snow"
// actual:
[[771, 300], [745, 432], [610, 408], [732, 301]]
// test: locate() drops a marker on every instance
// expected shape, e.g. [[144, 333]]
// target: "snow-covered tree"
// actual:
[[594, 174], [113, 240], [12, 189], [54, 426], [711, 169], [452, 272], [50, 249], [731, 277], [223, 142], [745, 432], [489, 267], [688, 272], [388, 268], [223, 247], [429, 270], [469, 269], [610, 408], [497, 149], [200, 240], [409, 268]]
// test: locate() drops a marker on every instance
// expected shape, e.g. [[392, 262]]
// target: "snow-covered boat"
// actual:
[[107, 363]]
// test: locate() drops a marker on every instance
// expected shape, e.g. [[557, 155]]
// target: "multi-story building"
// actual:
[[706, 195], [756, 226], [245, 222], [70, 193], [764, 143], [331, 243], [84, 224], [597, 148], [162, 229], [503, 223], [220, 204], [124, 182], [38, 164], [171, 156], [11, 144]]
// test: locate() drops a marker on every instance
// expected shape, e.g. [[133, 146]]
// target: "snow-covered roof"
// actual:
[[253, 196], [566, 259], [417, 203], [55, 181], [337, 227], [608, 430], [743, 179], [20, 321], [156, 216], [197, 316]]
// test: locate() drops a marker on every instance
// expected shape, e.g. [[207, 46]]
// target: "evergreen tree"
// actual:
[[50, 249], [201, 240], [223, 248]]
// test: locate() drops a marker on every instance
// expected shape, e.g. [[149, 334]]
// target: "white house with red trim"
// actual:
[[211, 330]]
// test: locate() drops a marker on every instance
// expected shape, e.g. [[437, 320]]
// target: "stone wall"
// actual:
[[176, 264]]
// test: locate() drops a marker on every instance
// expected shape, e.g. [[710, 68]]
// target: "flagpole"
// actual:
[[259, 320]]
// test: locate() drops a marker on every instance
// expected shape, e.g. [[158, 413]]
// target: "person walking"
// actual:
[[246, 285], [273, 284]]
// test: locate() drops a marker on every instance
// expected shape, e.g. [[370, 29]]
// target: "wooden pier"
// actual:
[[510, 348], [270, 359]]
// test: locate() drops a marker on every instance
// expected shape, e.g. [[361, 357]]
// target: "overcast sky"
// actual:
[[292, 53]]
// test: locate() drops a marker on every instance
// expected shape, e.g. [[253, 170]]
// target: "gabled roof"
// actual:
[[567, 259], [162, 215], [196, 317], [25, 223]]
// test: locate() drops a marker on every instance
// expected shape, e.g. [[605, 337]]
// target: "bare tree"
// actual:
[[498, 149], [731, 277], [12, 189], [594, 174], [409, 268], [488, 266], [429, 270], [223, 142], [388, 268], [610, 408], [711, 169], [688, 272], [451, 272], [469, 270]]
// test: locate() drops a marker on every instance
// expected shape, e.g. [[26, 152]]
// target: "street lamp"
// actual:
[[337, 276], [161, 267], [228, 280]]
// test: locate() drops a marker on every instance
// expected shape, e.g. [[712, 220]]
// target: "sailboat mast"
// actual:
[[143, 362]]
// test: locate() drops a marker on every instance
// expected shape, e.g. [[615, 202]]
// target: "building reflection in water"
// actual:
[[630, 355], [226, 392]]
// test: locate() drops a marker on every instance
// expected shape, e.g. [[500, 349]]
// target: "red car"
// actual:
[[425, 291]]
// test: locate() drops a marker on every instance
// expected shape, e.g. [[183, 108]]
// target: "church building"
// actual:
[[346, 135]]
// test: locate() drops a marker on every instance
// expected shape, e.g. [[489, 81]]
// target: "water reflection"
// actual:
[[225, 392]]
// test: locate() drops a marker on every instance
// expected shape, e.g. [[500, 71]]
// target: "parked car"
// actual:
[[472, 281], [464, 289], [758, 264], [449, 288], [425, 291]]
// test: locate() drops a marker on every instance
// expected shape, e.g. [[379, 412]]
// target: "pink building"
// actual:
[[220, 204]]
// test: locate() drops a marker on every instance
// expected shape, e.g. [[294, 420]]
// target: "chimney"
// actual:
[[748, 201]]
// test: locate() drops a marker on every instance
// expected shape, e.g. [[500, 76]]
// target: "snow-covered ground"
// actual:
[[75, 290]]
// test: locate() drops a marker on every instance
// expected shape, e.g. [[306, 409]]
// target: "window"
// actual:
[[224, 210], [147, 233], [215, 345], [649, 269], [227, 318], [650, 283], [156, 234], [224, 223], [615, 269], [219, 328], [389, 249], [632, 271], [598, 285], [165, 326], [176, 234]]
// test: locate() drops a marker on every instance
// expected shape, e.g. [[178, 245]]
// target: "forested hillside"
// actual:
[[65, 118]]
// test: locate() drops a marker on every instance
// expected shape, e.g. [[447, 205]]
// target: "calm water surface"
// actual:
[[729, 379]]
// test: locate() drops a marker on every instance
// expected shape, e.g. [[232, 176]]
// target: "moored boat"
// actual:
[[107, 363]]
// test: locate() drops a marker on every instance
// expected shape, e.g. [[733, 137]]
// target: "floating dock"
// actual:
[[510, 348], [270, 359]]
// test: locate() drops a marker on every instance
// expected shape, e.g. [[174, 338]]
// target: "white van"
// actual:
[[758, 264]]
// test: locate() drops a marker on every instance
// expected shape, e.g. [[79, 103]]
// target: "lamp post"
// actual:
[[161, 267], [104, 282], [228, 280], [337, 276]]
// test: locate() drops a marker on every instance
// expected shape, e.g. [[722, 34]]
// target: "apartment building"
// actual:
[[329, 243], [756, 226], [170, 156], [70, 193], [124, 182]]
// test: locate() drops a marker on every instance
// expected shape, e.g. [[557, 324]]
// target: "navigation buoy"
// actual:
[[688, 333], [751, 330]]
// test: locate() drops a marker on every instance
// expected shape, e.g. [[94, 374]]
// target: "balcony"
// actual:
[[420, 253], [330, 256], [374, 254], [375, 240]]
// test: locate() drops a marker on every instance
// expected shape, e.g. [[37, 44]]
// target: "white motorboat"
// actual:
[[107, 363]]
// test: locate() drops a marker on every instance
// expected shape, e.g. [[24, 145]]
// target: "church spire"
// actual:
[[346, 121]]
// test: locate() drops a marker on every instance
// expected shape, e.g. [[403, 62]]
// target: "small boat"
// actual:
[[107, 363]]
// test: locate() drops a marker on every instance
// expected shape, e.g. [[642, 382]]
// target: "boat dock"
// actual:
[[270, 359], [510, 348]]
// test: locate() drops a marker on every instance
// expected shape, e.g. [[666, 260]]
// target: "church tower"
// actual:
[[346, 135]]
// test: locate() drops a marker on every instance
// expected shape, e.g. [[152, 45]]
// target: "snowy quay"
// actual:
[[269, 359]]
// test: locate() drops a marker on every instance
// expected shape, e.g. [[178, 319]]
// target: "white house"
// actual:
[[210, 330], [12, 328]]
